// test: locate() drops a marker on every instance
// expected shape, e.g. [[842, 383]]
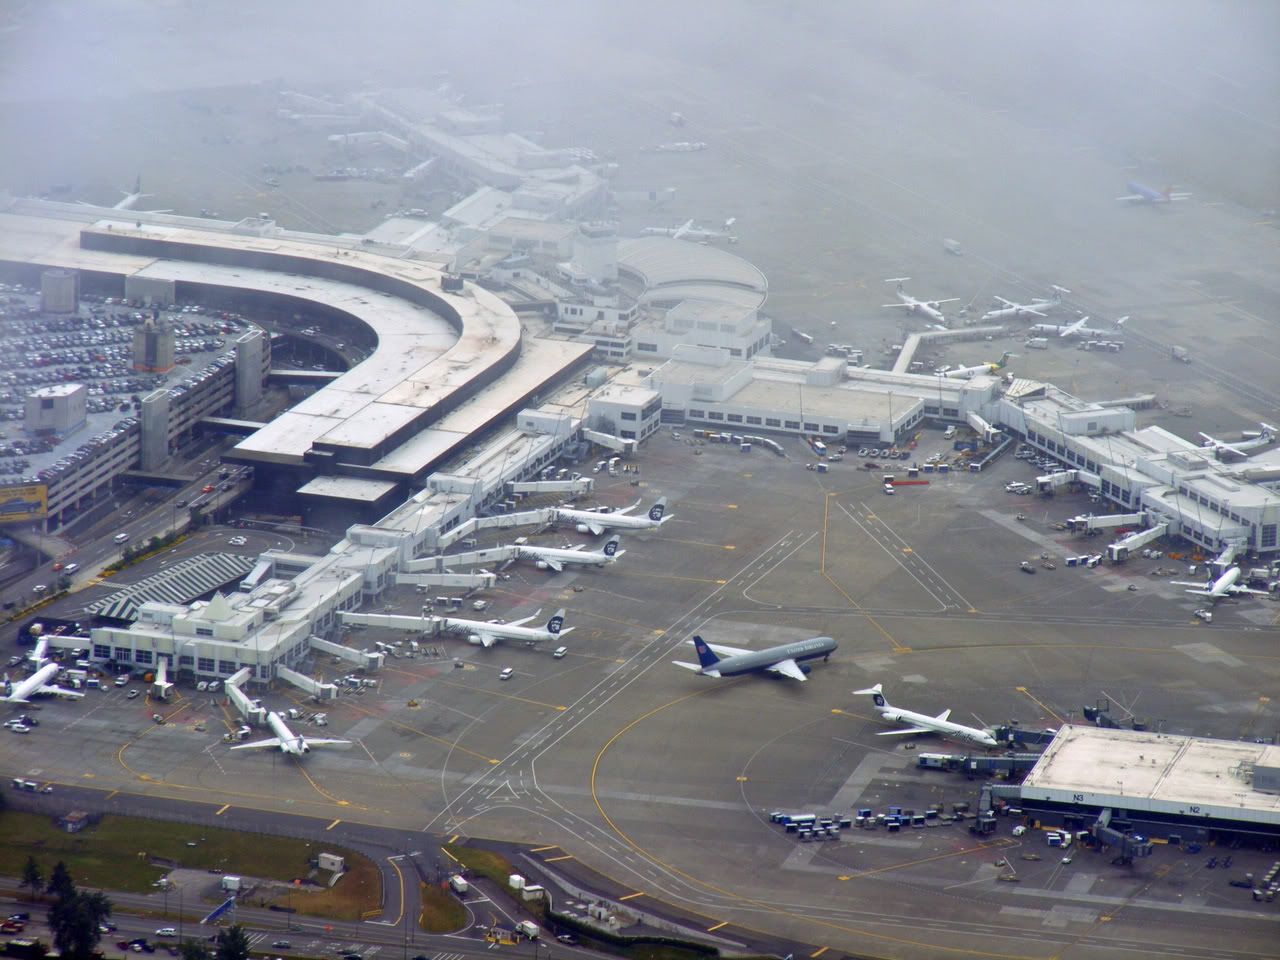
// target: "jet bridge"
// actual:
[[161, 687], [1120, 550], [483, 580], [441, 564], [1086, 522], [571, 487], [609, 441], [1227, 558], [314, 688], [251, 710], [986, 431], [361, 658], [500, 521], [419, 625]]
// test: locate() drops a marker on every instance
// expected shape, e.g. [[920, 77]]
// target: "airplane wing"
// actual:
[[326, 742], [523, 620], [1131, 197], [1007, 303], [626, 510], [60, 692], [897, 304], [682, 230], [695, 667], [259, 744], [1199, 590], [595, 528], [1034, 312], [788, 668], [486, 639], [1249, 590], [936, 303], [555, 565], [903, 733], [720, 650], [944, 714], [1072, 328]]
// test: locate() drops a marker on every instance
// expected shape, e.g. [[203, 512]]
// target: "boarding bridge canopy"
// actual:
[[1121, 549]]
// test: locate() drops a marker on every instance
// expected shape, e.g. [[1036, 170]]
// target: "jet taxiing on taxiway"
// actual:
[[487, 634], [591, 521], [1141, 193], [286, 741], [928, 307], [687, 231], [716, 660], [922, 723], [1076, 328], [37, 683], [1223, 586], [557, 558]]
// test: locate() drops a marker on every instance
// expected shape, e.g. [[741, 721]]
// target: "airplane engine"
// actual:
[[583, 528], [474, 639], [541, 565], [805, 669], [306, 748]]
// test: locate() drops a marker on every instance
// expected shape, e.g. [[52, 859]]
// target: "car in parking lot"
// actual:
[[238, 541], [1026, 567], [133, 695], [280, 945], [507, 673]]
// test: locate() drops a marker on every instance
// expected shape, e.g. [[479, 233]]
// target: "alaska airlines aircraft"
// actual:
[[38, 682], [487, 634], [591, 521], [557, 558], [1141, 193], [1223, 586], [715, 660]]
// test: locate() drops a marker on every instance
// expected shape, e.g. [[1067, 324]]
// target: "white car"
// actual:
[[238, 541], [507, 673]]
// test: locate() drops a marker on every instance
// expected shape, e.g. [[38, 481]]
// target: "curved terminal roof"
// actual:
[[434, 348], [671, 270]]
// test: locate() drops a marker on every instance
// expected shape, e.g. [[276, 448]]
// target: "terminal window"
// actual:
[[124, 654], [772, 422], [101, 651], [811, 427], [205, 664], [735, 418], [226, 666], [142, 656], [793, 424], [1268, 535]]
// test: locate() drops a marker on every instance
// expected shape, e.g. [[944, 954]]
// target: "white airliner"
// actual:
[[1077, 328], [37, 683], [968, 373], [1240, 448], [928, 307], [922, 723], [131, 199], [286, 741], [687, 231], [1036, 308], [487, 634], [1141, 193], [557, 558], [590, 521], [1224, 586]]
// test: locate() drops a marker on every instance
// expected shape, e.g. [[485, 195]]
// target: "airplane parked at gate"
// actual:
[[487, 634], [37, 683], [1141, 193], [716, 660], [591, 521], [923, 723], [928, 307], [286, 741], [1224, 586], [1239, 448], [1036, 308], [968, 373], [557, 558], [687, 231], [1077, 328]]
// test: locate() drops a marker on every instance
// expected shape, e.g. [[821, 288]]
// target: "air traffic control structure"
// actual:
[[1161, 784]]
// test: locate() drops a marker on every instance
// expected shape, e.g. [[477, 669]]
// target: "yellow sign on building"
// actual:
[[26, 502]]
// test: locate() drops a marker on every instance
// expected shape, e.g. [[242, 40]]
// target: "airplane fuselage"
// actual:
[[607, 521], [799, 651], [290, 742], [955, 731], [25, 689]]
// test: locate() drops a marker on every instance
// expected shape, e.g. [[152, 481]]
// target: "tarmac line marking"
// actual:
[[1027, 693], [567, 856], [819, 952], [826, 516], [111, 795], [722, 923], [553, 846], [448, 854], [334, 824], [400, 875], [632, 896], [223, 809]]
